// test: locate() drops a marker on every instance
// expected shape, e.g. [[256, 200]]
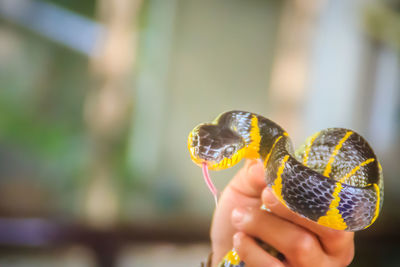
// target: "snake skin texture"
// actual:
[[334, 178]]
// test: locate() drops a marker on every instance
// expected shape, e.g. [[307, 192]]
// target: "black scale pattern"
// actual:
[[227, 264], [277, 155], [323, 147], [270, 131], [309, 193], [239, 120], [355, 151], [357, 210], [357, 206], [306, 192]]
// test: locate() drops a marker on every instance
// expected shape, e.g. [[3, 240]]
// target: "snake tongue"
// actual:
[[209, 183]]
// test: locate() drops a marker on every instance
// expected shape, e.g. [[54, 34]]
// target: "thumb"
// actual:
[[250, 179]]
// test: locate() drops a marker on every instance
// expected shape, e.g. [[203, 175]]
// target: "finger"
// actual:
[[333, 241], [243, 190], [300, 247], [250, 181], [251, 253]]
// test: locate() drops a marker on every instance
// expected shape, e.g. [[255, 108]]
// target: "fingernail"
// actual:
[[268, 197], [250, 164], [263, 207], [238, 215], [253, 167], [237, 239]]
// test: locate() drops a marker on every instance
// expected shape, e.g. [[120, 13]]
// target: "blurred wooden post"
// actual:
[[289, 75], [108, 106]]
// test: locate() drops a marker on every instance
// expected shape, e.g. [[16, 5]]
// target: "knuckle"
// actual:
[[251, 219], [304, 246], [339, 244], [336, 235]]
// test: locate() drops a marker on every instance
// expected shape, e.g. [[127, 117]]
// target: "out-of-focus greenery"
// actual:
[[382, 22], [43, 87], [85, 8], [41, 100]]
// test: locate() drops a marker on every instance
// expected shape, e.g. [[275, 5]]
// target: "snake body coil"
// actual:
[[333, 179]]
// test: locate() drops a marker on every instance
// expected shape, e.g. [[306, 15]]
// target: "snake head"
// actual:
[[219, 147]]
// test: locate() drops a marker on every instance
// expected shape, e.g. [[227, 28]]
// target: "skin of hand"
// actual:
[[238, 219]]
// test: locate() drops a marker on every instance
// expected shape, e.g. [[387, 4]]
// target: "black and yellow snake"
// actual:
[[333, 179]]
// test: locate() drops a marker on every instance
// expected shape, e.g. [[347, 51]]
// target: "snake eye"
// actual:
[[229, 151]]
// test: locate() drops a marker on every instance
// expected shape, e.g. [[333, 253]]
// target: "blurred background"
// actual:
[[97, 99]]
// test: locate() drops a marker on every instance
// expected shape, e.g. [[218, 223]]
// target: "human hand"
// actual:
[[243, 191], [301, 241]]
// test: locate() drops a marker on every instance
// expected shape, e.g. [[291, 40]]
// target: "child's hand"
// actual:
[[238, 220]]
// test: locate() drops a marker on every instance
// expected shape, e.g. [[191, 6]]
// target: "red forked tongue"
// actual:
[[209, 183]]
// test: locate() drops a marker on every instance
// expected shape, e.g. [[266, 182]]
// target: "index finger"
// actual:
[[244, 190], [250, 180], [334, 242]]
